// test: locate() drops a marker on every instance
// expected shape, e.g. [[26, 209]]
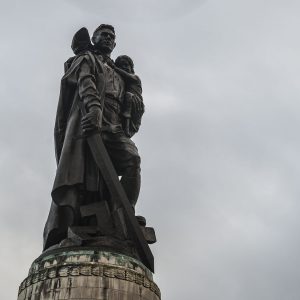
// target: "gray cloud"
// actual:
[[138, 11]]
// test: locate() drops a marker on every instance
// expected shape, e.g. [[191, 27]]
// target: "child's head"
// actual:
[[125, 63]]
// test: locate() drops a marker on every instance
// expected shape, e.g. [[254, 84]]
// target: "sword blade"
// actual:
[[117, 192]]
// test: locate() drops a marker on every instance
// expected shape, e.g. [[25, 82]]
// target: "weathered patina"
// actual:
[[88, 274]]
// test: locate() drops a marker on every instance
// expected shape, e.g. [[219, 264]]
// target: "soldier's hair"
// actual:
[[104, 26], [124, 57]]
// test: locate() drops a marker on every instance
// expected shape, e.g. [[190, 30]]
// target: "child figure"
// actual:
[[124, 66]]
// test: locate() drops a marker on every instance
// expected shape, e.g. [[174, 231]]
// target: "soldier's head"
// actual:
[[125, 63], [104, 38]]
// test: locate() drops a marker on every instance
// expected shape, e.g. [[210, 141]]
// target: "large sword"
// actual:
[[117, 193]]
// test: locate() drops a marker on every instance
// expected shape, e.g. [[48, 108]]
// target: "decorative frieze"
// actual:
[[90, 269]]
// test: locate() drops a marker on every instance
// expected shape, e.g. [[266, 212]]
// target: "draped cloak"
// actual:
[[70, 147]]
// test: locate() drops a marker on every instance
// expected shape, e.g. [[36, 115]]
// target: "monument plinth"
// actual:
[[85, 273]]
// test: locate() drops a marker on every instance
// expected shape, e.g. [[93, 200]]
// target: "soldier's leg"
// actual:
[[131, 179], [64, 212], [126, 160], [58, 222]]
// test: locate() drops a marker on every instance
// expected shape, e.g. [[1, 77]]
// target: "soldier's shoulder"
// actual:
[[76, 61], [79, 57], [88, 55]]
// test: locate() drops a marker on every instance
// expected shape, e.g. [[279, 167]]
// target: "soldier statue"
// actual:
[[110, 95]]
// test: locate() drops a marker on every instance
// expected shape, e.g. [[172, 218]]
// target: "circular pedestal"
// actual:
[[88, 274]]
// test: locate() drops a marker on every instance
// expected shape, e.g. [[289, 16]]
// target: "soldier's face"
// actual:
[[104, 39]]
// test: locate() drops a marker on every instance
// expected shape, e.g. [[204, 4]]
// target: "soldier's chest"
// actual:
[[114, 84]]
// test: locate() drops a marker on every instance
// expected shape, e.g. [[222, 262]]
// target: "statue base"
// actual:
[[87, 273]]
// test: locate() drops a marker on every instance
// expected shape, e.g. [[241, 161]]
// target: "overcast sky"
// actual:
[[219, 142]]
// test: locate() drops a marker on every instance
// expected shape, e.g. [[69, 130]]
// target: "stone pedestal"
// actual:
[[87, 273]]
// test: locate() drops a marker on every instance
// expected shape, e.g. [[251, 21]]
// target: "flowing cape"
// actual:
[[70, 147]]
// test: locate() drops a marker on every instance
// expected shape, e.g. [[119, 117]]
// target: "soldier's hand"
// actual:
[[92, 120]]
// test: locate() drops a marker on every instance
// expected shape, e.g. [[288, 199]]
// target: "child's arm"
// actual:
[[128, 77]]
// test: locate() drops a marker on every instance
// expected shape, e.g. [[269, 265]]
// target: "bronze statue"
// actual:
[[100, 101]]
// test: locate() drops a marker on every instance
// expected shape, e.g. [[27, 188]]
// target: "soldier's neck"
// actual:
[[102, 52]]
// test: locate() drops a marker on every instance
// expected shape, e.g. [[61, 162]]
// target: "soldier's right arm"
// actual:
[[89, 94], [87, 87]]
